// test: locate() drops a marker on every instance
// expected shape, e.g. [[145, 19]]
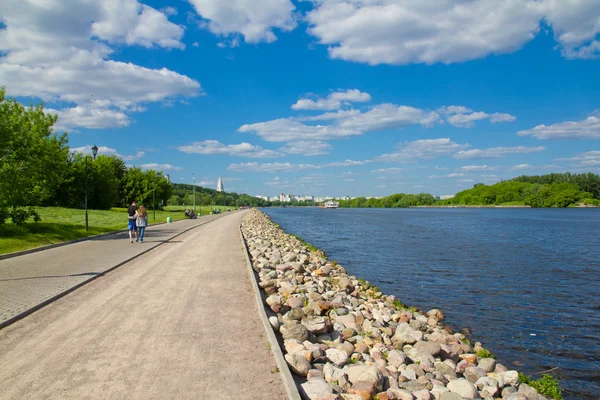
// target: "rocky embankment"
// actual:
[[349, 341]]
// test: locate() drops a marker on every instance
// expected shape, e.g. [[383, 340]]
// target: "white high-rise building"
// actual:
[[220, 187]]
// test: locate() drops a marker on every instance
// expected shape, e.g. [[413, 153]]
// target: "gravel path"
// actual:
[[179, 322]]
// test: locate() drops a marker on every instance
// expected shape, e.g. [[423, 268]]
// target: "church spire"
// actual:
[[220, 187]]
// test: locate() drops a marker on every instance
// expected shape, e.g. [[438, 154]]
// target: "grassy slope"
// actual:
[[63, 224]]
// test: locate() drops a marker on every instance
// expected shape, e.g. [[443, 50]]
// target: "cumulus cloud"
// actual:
[[388, 170], [453, 175], [521, 167], [408, 31], [343, 125], [496, 152], [589, 128], [160, 167], [59, 51], [240, 150], [270, 167], [476, 168], [586, 159], [346, 163], [422, 149], [461, 116], [307, 148], [245, 17], [107, 151], [332, 102]]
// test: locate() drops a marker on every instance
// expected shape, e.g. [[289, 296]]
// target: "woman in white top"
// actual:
[[141, 220]]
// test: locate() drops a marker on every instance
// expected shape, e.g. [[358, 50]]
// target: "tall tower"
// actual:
[[220, 187]]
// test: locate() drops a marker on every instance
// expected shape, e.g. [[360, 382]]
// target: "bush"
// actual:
[[20, 215], [546, 385], [4, 214]]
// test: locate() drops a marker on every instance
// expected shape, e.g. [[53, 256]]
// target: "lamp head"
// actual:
[[94, 151]]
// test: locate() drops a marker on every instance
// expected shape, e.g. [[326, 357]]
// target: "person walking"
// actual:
[[141, 221], [131, 226]]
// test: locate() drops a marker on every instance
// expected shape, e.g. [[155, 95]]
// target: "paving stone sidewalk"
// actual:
[[32, 280]]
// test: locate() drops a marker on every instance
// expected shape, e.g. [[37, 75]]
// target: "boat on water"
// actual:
[[331, 204]]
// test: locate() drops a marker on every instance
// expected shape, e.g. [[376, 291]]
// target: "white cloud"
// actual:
[[134, 23], [346, 163], [521, 167], [287, 130], [240, 150], [307, 148], [589, 128], [332, 102], [245, 17], [58, 51], [496, 152], [160, 167], [422, 149], [270, 167], [107, 151], [587, 159], [89, 117], [462, 116], [409, 31], [453, 175], [388, 170], [476, 168]]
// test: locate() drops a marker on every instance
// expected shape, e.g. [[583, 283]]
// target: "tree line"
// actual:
[[37, 168], [551, 190]]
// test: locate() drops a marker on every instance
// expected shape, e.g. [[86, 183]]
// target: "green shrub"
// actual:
[[4, 214], [546, 385], [484, 353]]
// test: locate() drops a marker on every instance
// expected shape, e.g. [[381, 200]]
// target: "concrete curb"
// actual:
[[53, 245], [73, 288], [286, 375]]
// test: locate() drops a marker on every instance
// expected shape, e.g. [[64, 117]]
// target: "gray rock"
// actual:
[[507, 391], [294, 331], [274, 323], [446, 370], [528, 391], [450, 396], [487, 364], [511, 378], [298, 364], [367, 373], [338, 357], [463, 387], [332, 373], [316, 325], [422, 395], [428, 347], [416, 385], [396, 358], [318, 389], [486, 381], [515, 396], [289, 257], [315, 373], [439, 390], [474, 373]]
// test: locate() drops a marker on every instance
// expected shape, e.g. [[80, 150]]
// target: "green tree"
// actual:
[[33, 158]]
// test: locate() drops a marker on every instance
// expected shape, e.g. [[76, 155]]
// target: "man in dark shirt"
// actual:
[[131, 222]]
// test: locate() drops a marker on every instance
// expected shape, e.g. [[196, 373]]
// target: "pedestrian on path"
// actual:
[[131, 226], [141, 221]]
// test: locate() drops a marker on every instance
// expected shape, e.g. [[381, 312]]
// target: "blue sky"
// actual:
[[324, 97]]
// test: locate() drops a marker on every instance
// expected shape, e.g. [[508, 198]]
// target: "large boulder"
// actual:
[[428, 347]]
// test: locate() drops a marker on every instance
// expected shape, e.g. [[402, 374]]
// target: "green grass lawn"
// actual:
[[64, 224]]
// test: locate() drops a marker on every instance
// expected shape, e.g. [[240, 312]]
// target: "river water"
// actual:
[[525, 282]]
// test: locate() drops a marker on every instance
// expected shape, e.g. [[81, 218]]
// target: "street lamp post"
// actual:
[[194, 191], [94, 152]]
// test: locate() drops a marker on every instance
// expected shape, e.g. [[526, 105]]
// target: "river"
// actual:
[[524, 282]]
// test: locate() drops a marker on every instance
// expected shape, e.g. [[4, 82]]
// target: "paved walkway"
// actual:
[[29, 281], [179, 322]]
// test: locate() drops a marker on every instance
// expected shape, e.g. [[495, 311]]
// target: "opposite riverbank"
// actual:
[[343, 338]]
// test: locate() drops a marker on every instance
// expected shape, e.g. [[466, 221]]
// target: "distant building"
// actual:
[[168, 178], [446, 196], [220, 187]]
